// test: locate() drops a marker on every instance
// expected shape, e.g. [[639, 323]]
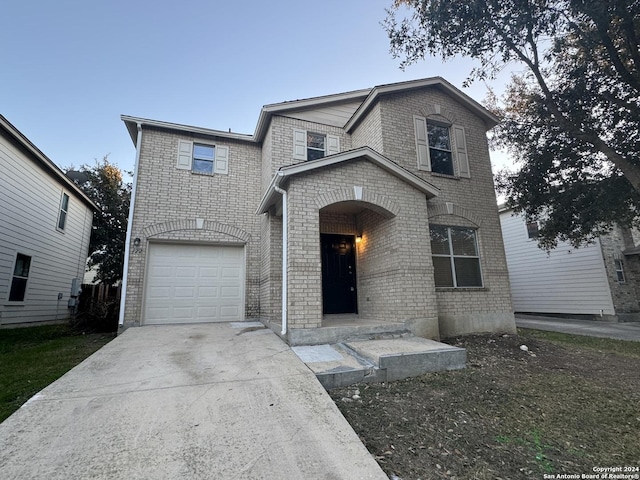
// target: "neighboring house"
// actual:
[[384, 197], [599, 279], [45, 225]]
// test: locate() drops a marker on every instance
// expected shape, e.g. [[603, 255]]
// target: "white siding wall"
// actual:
[[567, 280], [29, 207]]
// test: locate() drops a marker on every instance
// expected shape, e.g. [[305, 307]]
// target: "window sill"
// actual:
[[14, 304], [204, 174], [462, 289]]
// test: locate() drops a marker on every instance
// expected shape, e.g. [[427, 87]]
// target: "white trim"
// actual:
[[127, 243], [490, 119]]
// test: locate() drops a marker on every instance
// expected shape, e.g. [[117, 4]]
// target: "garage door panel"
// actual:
[[184, 292], [193, 284]]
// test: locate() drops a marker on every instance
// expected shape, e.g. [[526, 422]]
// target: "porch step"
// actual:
[[379, 360]]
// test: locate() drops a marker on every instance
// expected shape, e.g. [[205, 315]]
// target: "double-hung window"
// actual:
[[20, 277], [204, 159], [309, 145], [64, 209], [441, 148], [456, 261]]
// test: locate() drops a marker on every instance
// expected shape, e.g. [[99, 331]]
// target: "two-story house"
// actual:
[[45, 225], [363, 211]]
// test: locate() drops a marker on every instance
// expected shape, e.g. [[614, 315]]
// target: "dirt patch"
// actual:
[[511, 414]]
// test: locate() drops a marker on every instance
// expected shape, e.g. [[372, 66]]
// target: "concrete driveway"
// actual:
[[592, 328], [218, 401]]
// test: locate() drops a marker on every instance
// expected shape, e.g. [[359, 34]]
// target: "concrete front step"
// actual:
[[379, 360]]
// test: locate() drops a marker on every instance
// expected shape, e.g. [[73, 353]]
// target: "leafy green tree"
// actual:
[[103, 183], [571, 116]]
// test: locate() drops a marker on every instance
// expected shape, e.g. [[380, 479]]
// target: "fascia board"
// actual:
[[291, 106], [490, 119], [131, 123]]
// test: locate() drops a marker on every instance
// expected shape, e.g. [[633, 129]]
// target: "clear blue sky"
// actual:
[[70, 68]]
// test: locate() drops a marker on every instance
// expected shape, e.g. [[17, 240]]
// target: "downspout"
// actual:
[[285, 238], [132, 202]]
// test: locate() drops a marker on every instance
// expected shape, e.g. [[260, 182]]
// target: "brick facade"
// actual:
[[394, 266]]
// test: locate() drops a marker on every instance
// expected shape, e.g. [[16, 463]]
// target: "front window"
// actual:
[[440, 149], [204, 157], [20, 276], [316, 145], [64, 208], [456, 261]]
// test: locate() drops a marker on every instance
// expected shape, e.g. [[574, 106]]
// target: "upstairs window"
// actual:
[[203, 159], [64, 208], [20, 276], [312, 146], [456, 261], [441, 148], [316, 145]]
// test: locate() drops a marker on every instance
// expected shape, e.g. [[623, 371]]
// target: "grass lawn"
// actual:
[[32, 358]]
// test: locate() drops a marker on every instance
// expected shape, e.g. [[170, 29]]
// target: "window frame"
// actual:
[[448, 129], [15, 276], [620, 276], [315, 149], [63, 212], [452, 257], [531, 235], [199, 158]]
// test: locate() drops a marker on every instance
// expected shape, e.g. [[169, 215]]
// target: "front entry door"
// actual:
[[338, 273]]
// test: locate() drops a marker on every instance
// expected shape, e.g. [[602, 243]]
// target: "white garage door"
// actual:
[[194, 284]]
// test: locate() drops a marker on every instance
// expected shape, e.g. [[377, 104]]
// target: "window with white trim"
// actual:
[[309, 145], [456, 261], [20, 277], [441, 148], [533, 229], [619, 266], [202, 158], [64, 209]]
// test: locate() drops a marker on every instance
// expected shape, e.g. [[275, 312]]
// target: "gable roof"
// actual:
[[490, 119], [35, 154], [367, 153]]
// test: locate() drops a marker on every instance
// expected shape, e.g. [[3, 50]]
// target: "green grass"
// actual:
[[32, 358], [607, 345]]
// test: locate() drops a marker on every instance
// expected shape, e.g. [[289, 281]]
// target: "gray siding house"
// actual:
[[45, 225], [365, 211], [601, 279]]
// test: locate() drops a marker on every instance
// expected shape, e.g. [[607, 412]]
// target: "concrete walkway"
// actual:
[[216, 401], [593, 328]]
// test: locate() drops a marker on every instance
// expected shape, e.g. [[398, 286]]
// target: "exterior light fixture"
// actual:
[[136, 242], [358, 238]]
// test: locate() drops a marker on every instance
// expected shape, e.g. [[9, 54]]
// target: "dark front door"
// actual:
[[338, 273]]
